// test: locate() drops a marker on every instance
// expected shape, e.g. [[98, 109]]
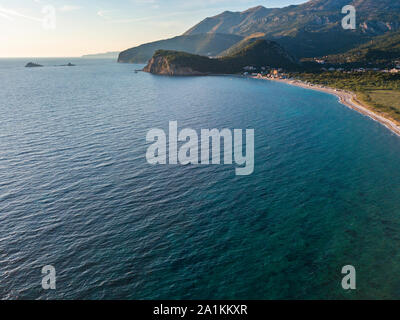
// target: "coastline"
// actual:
[[347, 98]]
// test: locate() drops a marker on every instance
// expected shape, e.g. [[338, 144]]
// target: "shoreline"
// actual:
[[348, 99]]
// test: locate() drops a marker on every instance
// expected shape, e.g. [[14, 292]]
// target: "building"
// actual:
[[249, 68]]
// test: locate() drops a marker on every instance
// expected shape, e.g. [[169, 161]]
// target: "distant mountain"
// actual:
[[202, 44], [258, 54], [310, 29], [381, 50], [107, 55]]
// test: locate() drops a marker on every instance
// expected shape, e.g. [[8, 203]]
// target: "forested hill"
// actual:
[[258, 54]]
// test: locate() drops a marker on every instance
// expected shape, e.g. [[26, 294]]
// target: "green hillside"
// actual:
[[240, 45], [202, 44], [382, 50], [380, 91], [260, 53]]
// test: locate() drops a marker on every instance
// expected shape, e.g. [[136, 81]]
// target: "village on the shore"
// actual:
[[279, 73], [265, 72]]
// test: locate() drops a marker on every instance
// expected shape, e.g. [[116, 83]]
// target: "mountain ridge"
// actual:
[[202, 44], [312, 29], [309, 29]]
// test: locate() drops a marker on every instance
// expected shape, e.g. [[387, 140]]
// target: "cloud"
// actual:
[[104, 13], [111, 16], [145, 1], [68, 8], [5, 16], [152, 3], [9, 13]]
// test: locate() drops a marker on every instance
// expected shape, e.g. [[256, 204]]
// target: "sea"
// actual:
[[77, 194]]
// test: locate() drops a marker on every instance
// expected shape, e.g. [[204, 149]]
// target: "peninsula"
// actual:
[[258, 53]]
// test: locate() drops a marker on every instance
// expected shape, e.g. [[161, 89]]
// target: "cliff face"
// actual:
[[161, 65]]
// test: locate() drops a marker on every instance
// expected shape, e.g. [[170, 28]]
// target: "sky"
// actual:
[[72, 28]]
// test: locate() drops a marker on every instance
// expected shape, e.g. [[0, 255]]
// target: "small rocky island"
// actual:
[[33, 65], [68, 65], [257, 53]]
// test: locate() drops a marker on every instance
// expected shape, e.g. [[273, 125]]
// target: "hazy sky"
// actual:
[[28, 29]]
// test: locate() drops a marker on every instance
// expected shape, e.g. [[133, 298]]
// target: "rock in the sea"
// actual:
[[66, 65], [32, 65]]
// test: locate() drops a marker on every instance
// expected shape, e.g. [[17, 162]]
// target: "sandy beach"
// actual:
[[348, 99]]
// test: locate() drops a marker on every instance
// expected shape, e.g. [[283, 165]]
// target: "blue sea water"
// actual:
[[77, 193]]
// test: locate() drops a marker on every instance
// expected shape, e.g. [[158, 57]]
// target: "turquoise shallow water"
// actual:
[[76, 191]]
